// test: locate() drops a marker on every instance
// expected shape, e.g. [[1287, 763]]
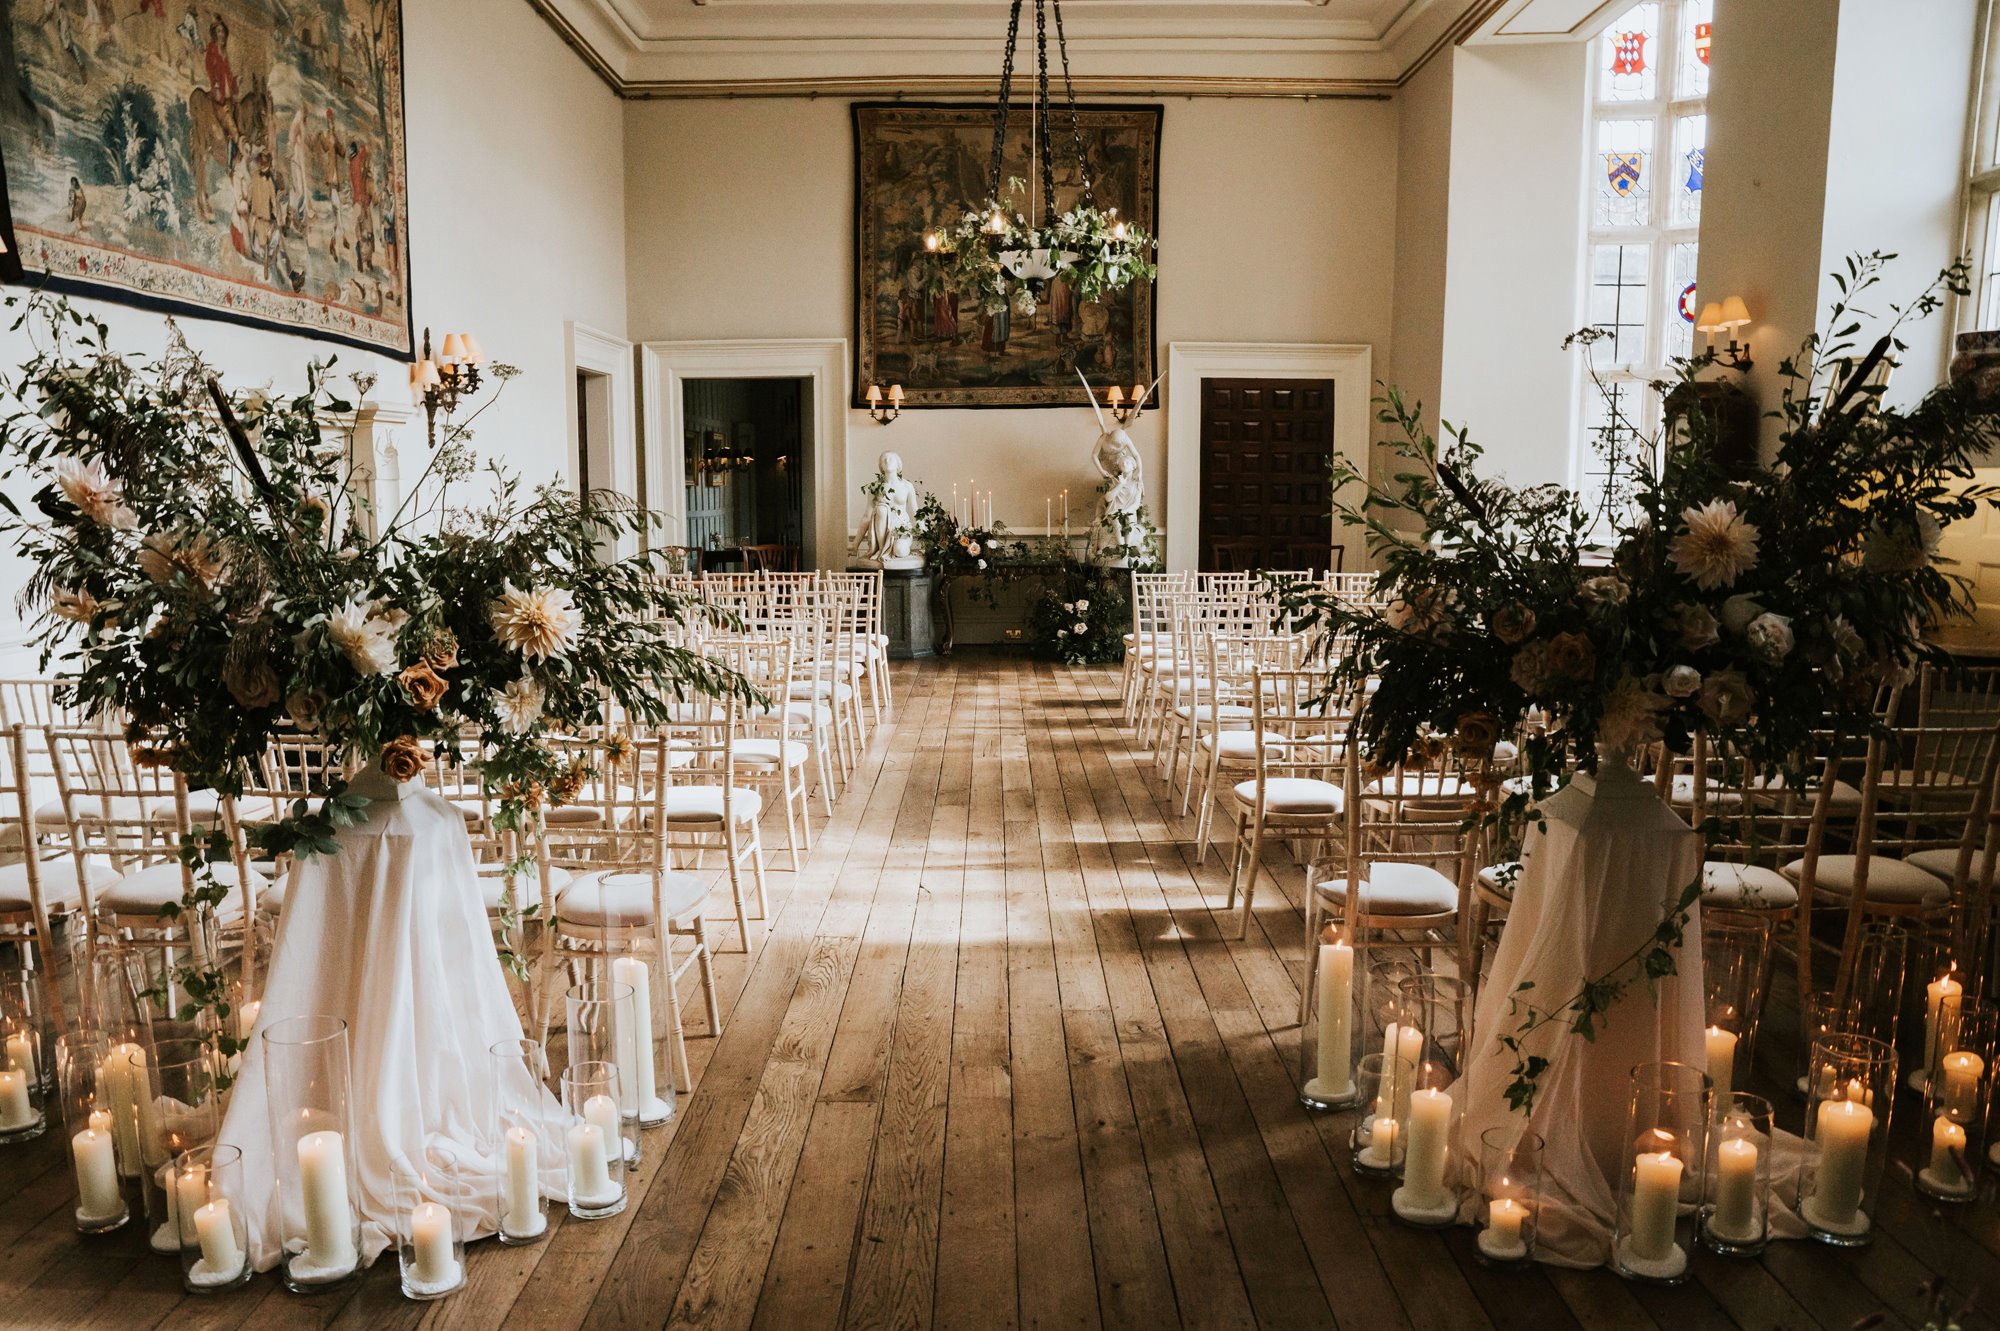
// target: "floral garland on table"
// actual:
[[1080, 617], [185, 537], [1743, 602]]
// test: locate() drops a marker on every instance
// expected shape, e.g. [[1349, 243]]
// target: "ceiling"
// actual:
[[706, 48]]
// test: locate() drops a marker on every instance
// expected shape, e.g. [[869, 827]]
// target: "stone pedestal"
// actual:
[[906, 612]]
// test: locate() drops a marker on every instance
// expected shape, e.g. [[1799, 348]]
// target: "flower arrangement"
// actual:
[[952, 548], [998, 257], [204, 565], [1080, 617]]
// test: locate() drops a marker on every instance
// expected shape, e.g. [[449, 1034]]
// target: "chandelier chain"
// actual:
[[1042, 145], [993, 167], [1075, 119]]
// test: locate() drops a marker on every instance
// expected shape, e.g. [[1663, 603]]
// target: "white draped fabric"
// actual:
[[1596, 879], [390, 934]]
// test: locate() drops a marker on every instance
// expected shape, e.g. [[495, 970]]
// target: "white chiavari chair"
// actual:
[[767, 758], [1151, 593], [40, 887], [1292, 793], [791, 617], [708, 808], [1197, 617]]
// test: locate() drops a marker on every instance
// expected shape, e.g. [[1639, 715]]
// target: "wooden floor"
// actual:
[[993, 1066]]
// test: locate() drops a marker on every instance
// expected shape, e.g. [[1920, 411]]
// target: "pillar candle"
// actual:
[[1962, 1071], [1947, 1137], [15, 1111], [1945, 988], [215, 1229], [1380, 1153], [431, 1258], [636, 1036], [589, 1172], [323, 1188], [125, 1078], [97, 1169], [1501, 1239], [1656, 1199], [1401, 1045], [1721, 1066], [524, 1193], [1425, 1148], [1334, 1068], [1842, 1131], [190, 1192], [603, 1111], [21, 1055], [1735, 1217]]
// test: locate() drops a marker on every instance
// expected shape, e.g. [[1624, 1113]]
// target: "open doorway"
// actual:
[[746, 472]]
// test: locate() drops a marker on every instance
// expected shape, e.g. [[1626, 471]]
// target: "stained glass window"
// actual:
[[1628, 55], [1618, 298], [1689, 160], [1696, 27], [1625, 185], [1680, 289]]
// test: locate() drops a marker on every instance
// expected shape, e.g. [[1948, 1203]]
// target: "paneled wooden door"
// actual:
[[1266, 447]]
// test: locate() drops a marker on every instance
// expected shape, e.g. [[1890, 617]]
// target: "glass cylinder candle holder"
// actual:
[[1736, 971], [1510, 1195], [307, 1099], [83, 1061], [603, 1028], [1326, 1078], [520, 1106], [1944, 991], [116, 1000], [1428, 1132], [207, 1183], [1874, 1000], [1736, 1213], [24, 1058], [653, 1093], [593, 1132], [430, 1230], [1377, 1139], [1659, 1186], [182, 1110], [1956, 1100], [1846, 1137], [1435, 1008]]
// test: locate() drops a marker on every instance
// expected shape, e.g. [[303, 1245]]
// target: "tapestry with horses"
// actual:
[[236, 159]]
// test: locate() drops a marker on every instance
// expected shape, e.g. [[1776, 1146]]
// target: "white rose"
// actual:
[[1606, 590], [1770, 636], [1695, 625], [1738, 611], [982, 563], [1069, 607], [1080, 627], [1083, 607], [1683, 681]]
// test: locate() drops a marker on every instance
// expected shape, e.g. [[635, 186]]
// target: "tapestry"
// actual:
[[919, 166], [235, 159]]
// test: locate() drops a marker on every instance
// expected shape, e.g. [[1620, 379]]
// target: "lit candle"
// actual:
[[323, 1188], [1401, 1046], [1945, 1173], [190, 1191], [1048, 515], [215, 1229], [589, 1170], [432, 1262], [1945, 989], [125, 1078], [21, 1055], [1962, 1071], [635, 1038], [1501, 1239], [524, 1194], [1425, 1149], [1721, 1065], [15, 1111], [1333, 1072], [931, 241], [1380, 1153], [97, 1171], [246, 1018], [1656, 1200], [1735, 1216], [1842, 1133]]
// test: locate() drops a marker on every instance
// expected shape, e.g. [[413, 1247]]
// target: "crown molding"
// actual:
[[1340, 59]]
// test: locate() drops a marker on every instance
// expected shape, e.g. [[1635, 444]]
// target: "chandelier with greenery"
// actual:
[[1005, 256]]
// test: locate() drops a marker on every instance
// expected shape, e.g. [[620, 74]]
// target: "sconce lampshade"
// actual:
[[1734, 313], [454, 348], [474, 353], [1711, 318]]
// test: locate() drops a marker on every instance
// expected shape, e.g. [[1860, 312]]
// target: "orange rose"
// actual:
[[1478, 732], [441, 653], [1571, 656], [425, 686], [403, 759], [1513, 623]]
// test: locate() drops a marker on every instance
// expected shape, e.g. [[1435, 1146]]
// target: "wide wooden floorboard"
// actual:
[[998, 1063]]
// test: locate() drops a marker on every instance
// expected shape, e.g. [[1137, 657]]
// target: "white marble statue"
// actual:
[[885, 537], [1122, 533]]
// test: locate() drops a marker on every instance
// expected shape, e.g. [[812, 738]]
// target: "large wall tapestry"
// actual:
[[239, 159], [918, 166]]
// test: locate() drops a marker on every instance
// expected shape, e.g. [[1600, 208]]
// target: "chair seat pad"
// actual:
[[1394, 888], [527, 891], [1716, 796], [1229, 711], [1889, 880], [1750, 885], [144, 891], [1501, 879], [59, 883], [620, 898], [804, 711], [703, 804], [1942, 861], [804, 690], [1240, 744], [1292, 795], [769, 752]]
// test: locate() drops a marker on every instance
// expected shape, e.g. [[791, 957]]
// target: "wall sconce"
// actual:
[[1124, 409], [1726, 316], [437, 383], [885, 412]]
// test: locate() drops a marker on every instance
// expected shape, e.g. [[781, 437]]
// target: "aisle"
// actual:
[[994, 1066]]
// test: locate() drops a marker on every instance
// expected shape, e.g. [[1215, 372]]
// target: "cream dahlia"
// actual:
[[95, 494], [538, 623], [366, 637], [164, 554], [1631, 715], [1717, 548], [520, 705]]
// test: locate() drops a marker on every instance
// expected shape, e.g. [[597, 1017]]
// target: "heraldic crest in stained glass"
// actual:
[[1687, 303], [1628, 53], [1623, 171], [1696, 159], [1701, 34]]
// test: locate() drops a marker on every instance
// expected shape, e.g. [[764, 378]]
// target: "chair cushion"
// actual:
[[144, 891], [807, 689], [1749, 885], [59, 883], [767, 752], [1501, 879], [618, 898], [805, 712], [1889, 880], [493, 881], [1292, 795], [1229, 711], [1240, 744], [703, 804], [1395, 888], [1942, 861]]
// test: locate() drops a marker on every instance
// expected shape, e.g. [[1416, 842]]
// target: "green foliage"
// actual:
[[1081, 616], [1090, 248]]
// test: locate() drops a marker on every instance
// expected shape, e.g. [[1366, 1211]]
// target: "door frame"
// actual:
[[822, 362], [592, 351], [1347, 364]]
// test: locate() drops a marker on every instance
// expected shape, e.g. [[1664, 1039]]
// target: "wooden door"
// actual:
[[1266, 450]]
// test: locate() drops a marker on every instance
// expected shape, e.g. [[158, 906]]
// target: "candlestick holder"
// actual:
[[1332, 1016], [1956, 1097], [593, 1133], [522, 1106], [24, 1058], [214, 1234], [1874, 1001], [1429, 1133], [1377, 1140], [182, 1111], [430, 1229], [1847, 1136], [1659, 1185], [1735, 1215], [1510, 1195], [82, 1063], [308, 1100], [603, 1027]]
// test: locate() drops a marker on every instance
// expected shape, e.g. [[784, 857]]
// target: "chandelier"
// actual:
[[1004, 256]]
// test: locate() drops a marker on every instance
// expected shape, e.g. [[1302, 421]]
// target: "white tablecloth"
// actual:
[[391, 935]]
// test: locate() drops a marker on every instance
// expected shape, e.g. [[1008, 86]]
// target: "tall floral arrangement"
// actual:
[[205, 566]]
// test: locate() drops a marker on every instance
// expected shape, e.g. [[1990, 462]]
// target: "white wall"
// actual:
[[1277, 224], [1423, 212], [516, 170], [1514, 254]]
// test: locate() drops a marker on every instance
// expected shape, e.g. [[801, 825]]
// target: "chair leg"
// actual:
[[736, 893], [706, 967], [1250, 882], [791, 822], [757, 873], [683, 1078]]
